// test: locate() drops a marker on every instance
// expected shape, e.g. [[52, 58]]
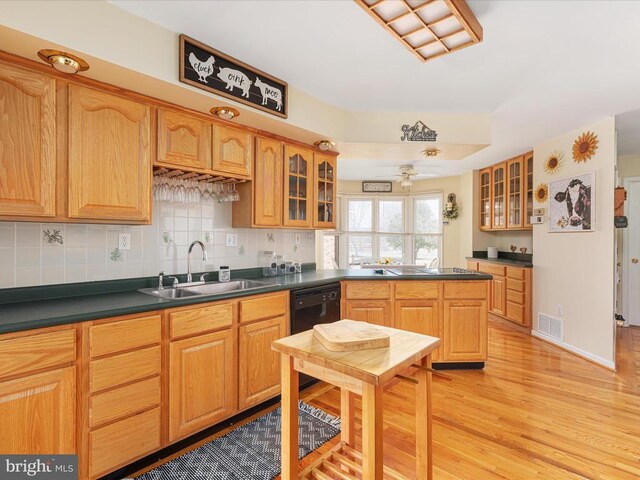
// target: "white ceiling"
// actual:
[[544, 68], [628, 128]]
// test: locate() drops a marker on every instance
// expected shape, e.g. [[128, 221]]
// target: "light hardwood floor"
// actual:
[[534, 412]]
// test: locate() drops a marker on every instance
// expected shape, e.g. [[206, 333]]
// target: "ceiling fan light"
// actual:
[[406, 182], [225, 113]]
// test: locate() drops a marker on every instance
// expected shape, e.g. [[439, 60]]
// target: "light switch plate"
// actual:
[[124, 241], [296, 239], [537, 219], [231, 240]]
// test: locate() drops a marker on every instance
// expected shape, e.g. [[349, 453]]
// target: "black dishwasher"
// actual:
[[311, 306]]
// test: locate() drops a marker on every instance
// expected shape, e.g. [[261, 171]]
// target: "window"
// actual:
[[404, 229]]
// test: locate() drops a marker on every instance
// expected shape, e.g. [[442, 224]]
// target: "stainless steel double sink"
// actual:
[[206, 289]]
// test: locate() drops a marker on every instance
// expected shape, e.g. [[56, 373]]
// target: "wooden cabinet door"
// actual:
[[324, 215], [498, 295], [202, 382], [298, 186], [232, 151], [527, 163], [419, 316], [109, 157], [259, 377], [27, 143], [38, 413], [183, 140], [515, 184], [498, 193], [485, 199], [465, 331], [377, 312], [267, 183]]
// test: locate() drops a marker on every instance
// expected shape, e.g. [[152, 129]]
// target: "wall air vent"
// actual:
[[551, 326]]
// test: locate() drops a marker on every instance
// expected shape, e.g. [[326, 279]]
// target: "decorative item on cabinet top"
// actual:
[[191, 187], [209, 69]]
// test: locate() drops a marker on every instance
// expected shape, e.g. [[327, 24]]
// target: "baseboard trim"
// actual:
[[599, 361]]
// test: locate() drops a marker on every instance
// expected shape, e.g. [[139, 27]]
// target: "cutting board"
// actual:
[[350, 336]]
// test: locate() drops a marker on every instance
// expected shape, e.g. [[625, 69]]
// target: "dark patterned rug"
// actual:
[[250, 452]]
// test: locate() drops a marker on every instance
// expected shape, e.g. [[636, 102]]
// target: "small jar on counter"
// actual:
[[224, 274]]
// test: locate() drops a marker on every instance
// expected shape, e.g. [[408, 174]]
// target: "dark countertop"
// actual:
[[504, 261], [46, 306]]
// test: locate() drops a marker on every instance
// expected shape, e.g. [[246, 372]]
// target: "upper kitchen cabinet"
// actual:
[[485, 199], [527, 162], [183, 141], [515, 215], [506, 194], [267, 183], [298, 186], [27, 143], [109, 157], [325, 191], [232, 151]]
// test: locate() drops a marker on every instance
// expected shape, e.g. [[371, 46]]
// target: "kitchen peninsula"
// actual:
[[125, 374]]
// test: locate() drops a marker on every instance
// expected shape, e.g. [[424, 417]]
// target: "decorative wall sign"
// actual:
[[206, 68], [585, 147], [418, 133], [377, 186], [570, 204]]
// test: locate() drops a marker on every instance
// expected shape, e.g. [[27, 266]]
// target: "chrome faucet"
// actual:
[[204, 258]]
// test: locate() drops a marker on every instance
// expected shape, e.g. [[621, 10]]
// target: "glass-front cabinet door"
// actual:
[[498, 190], [527, 164], [325, 191], [485, 199], [514, 193], [298, 186]]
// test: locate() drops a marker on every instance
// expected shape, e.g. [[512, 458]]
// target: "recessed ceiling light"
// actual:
[[63, 61], [225, 113], [431, 152], [324, 145]]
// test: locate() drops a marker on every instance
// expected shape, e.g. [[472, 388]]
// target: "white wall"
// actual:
[[27, 258], [576, 270]]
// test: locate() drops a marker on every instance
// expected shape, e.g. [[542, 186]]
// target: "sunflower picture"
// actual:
[[541, 193], [585, 147], [553, 162]]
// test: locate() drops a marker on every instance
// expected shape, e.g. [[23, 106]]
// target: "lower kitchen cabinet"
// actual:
[[38, 413], [202, 382], [419, 316], [259, 365], [465, 330], [498, 295], [377, 312]]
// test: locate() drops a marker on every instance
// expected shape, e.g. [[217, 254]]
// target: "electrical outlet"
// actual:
[[310, 236], [124, 241], [296, 239], [231, 240], [560, 310]]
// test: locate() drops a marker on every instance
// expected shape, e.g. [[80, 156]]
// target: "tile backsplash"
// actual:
[[47, 253]]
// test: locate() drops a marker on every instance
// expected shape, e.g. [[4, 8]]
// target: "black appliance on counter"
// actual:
[[312, 306]]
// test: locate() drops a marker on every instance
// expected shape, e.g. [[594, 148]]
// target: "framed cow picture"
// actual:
[[209, 69], [572, 204]]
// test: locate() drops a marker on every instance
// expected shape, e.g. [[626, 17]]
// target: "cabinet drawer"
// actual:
[[202, 319], [465, 290], [515, 273], [26, 354], [515, 297], [267, 306], [491, 269], [124, 335], [127, 367], [515, 285], [515, 312], [368, 290], [407, 290], [117, 444], [121, 402]]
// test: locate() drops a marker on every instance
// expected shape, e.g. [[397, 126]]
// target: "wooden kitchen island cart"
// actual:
[[365, 373]]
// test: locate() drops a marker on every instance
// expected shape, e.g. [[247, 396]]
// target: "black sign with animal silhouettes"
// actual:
[[211, 70]]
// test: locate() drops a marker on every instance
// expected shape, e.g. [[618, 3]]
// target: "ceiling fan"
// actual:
[[407, 172]]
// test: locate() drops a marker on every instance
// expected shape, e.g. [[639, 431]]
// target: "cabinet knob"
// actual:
[[634, 260]]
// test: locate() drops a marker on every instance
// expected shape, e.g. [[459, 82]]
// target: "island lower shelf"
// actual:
[[455, 311]]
